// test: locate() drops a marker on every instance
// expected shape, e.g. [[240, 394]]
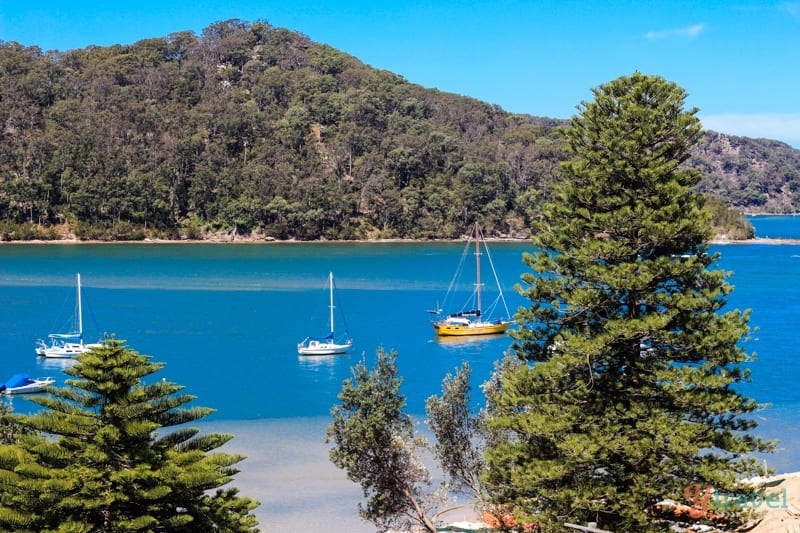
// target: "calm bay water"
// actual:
[[226, 318], [776, 226]]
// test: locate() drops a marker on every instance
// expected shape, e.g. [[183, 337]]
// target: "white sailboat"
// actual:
[[473, 319], [327, 345], [63, 345]]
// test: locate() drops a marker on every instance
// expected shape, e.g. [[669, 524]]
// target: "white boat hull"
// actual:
[[322, 348], [37, 385], [66, 350]]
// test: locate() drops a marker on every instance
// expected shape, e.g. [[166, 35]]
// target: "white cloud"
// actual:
[[777, 126], [689, 31]]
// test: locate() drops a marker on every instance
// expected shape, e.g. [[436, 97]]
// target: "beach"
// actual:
[[287, 469], [781, 514]]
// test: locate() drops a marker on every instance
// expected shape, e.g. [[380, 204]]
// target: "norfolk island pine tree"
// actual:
[[105, 454], [630, 392]]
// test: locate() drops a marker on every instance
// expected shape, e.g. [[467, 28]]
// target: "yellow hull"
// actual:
[[475, 328]]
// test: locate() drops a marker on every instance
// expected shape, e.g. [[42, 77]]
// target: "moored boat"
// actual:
[[472, 319], [327, 344], [64, 345], [24, 384]]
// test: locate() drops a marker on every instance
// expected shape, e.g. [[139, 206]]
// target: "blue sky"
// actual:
[[738, 61]]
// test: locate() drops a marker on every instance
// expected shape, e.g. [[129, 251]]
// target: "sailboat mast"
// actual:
[[478, 264], [330, 280], [79, 314]]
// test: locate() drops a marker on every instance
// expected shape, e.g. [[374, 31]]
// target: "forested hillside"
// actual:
[[252, 129], [754, 175]]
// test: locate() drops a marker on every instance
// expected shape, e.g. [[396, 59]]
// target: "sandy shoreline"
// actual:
[[758, 240], [258, 240], [288, 471], [246, 241], [781, 514]]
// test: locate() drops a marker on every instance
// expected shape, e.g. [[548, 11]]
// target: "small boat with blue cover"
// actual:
[[23, 383]]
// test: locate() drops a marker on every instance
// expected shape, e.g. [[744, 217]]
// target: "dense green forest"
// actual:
[[253, 130]]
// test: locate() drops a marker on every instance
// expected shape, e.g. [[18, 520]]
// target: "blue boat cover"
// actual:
[[18, 380]]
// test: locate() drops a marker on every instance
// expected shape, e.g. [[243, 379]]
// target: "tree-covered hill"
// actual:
[[249, 128], [753, 175]]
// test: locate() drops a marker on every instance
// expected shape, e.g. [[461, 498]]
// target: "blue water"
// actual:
[[226, 318], [776, 226]]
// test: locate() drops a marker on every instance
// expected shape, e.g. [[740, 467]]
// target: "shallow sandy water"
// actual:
[[287, 469]]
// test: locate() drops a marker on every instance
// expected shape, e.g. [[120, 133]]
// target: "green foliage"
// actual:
[[149, 135], [10, 231], [373, 440], [629, 391], [458, 433], [728, 223], [10, 429], [751, 175], [117, 231], [131, 141], [100, 457]]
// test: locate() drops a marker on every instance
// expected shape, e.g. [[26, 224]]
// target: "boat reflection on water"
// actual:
[[480, 342], [322, 370], [55, 363], [317, 362]]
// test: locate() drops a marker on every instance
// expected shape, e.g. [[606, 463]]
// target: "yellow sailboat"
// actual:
[[472, 319]]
